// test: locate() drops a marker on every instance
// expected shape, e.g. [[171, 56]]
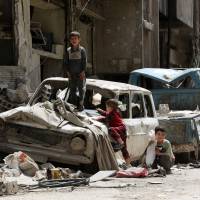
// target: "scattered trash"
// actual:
[[22, 162], [133, 172], [54, 173], [7, 188], [63, 183], [155, 182], [102, 175], [160, 172], [47, 166], [195, 165]]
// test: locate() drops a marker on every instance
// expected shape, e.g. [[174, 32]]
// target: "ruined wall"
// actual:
[[151, 36], [27, 62], [22, 33], [181, 47], [8, 75], [119, 42], [120, 38], [185, 11], [90, 27], [52, 21]]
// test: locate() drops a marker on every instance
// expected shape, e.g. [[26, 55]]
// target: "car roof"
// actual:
[[103, 84], [163, 74]]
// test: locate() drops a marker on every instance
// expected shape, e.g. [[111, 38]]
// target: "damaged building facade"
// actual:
[[119, 36]]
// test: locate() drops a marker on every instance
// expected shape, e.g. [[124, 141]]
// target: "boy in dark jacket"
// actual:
[[75, 66], [116, 127]]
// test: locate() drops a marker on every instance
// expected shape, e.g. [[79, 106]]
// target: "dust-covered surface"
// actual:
[[183, 184]]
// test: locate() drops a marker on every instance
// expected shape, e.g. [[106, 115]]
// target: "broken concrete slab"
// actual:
[[102, 175]]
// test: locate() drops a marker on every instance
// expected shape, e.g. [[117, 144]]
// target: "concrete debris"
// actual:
[[5, 104], [102, 175], [20, 95], [22, 162], [47, 166], [195, 165], [12, 98], [7, 188]]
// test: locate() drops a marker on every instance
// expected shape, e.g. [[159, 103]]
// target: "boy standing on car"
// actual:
[[76, 60]]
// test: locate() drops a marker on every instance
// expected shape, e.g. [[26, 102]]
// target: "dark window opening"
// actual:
[[150, 84], [148, 106], [7, 56], [124, 99], [186, 82], [137, 106]]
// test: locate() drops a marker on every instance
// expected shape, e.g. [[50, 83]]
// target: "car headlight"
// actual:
[[78, 143]]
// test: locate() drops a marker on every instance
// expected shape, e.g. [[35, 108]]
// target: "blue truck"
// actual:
[[179, 89]]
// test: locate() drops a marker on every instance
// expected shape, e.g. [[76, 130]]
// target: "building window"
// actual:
[[7, 56]]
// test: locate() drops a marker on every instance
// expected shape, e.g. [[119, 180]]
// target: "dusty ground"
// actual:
[[183, 184]]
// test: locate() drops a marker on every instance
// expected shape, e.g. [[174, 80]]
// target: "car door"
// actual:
[[140, 122]]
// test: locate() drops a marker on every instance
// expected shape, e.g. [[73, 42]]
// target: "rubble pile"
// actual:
[[10, 98], [20, 172]]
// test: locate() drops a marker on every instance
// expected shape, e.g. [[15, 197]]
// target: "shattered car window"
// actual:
[[95, 98], [124, 99], [148, 106], [137, 106], [150, 84], [186, 82], [53, 90]]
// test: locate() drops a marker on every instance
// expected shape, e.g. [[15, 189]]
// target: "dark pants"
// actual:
[[164, 161], [75, 83], [120, 132]]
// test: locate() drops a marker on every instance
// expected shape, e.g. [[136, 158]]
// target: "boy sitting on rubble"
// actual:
[[163, 150], [116, 127]]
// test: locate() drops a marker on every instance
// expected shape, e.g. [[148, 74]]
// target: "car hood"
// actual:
[[44, 116]]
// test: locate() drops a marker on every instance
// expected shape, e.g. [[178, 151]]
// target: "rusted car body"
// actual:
[[183, 130], [180, 89], [49, 137]]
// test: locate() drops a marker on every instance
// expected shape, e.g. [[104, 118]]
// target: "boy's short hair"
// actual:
[[112, 103], [74, 33], [158, 128]]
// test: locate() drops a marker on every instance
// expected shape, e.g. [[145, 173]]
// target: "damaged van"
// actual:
[[176, 94], [49, 129]]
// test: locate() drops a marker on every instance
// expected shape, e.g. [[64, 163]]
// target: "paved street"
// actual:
[[183, 184]]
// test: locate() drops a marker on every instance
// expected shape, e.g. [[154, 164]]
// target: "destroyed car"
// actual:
[[48, 129], [176, 94]]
